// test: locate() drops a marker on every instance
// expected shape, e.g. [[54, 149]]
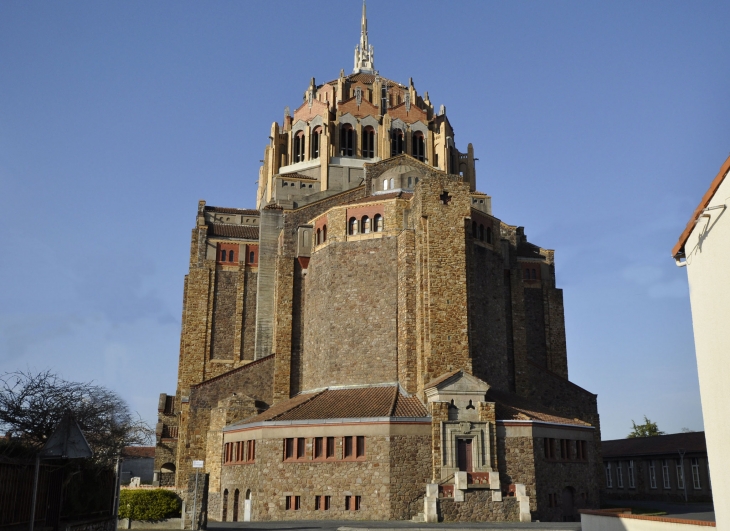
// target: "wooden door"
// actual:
[[464, 455]]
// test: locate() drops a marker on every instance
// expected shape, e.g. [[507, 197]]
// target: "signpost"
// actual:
[[197, 465]]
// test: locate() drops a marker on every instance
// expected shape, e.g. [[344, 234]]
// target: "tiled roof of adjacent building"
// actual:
[[513, 407], [381, 197], [692, 442], [135, 452], [678, 249], [224, 210], [359, 402], [298, 176], [225, 230]]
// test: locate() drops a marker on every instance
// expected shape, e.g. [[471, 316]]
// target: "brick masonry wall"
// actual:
[[350, 334], [271, 480], [479, 507]]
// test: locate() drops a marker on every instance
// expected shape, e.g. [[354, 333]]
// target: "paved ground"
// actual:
[[349, 525], [690, 511]]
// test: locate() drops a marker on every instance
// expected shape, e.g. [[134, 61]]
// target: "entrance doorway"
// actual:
[[568, 507], [464, 455]]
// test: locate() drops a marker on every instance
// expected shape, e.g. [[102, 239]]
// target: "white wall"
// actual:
[[591, 522], [708, 269]]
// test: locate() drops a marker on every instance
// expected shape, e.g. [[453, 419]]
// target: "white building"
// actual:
[[704, 249]]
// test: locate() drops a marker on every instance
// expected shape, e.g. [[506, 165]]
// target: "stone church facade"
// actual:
[[372, 342]]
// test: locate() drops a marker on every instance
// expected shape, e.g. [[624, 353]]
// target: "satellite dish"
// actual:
[[67, 442]]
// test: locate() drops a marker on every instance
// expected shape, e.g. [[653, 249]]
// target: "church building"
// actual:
[[371, 342]]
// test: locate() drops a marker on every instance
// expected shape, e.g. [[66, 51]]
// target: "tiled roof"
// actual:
[[298, 176], [138, 451], [678, 249], [381, 197], [368, 79], [513, 407], [693, 442], [224, 210], [225, 230], [360, 402]]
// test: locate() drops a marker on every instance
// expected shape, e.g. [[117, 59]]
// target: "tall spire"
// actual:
[[363, 51]]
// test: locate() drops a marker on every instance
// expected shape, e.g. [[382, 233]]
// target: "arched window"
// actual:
[[368, 143], [251, 256], [474, 229], [526, 274], [316, 240], [534, 274], [365, 223], [324, 233], [230, 256], [315, 142], [352, 226], [385, 184], [223, 256], [481, 232], [378, 221], [236, 495], [299, 147], [410, 182], [225, 505], [489, 234], [392, 183], [396, 142], [419, 147], [347, 141]]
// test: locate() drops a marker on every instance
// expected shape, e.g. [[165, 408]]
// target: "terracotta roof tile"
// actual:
[[360, 402], [224, 210], [693, 442], [513, 407], [246, 232], [133, 452], [381, 197]]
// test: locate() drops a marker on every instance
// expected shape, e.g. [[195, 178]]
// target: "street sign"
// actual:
[[197, 463]]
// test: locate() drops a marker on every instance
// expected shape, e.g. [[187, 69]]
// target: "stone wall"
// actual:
[[410, 470], [350, 327], [516, 463], [535, 326], [479, 507], [224, 315]]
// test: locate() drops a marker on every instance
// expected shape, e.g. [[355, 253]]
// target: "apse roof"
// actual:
[[225, 210], [225, 230]]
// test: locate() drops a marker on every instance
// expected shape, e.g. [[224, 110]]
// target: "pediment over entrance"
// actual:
[[461, 390]]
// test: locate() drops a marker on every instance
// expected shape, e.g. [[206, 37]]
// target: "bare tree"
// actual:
[[32, 404]]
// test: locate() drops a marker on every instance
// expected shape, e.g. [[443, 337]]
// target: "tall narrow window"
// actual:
[[378, 220], [317, 236], [383, 99], [315, 142], [609, 481], [534, 274], [396, 142], [299, 147], [385, 184], [318, 448], [619, 475], [632, 480], [347, 141], [223, 256], [489, 234], [665, 473], [251, 457], [251, 257], [289, 448], [419, 147], [680, 474], [300, 447], [368, 143], [347, 447], [352, 226], [481, 232], [696, 473], [652, 475], [392, 183], [330, 449], [549, 448], [230, 256], [365, 224], [324, 233], [360, 447]]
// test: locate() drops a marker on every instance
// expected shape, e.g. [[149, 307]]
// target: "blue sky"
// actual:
[[598, 127]]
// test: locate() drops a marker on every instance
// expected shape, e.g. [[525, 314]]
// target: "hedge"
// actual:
[[144, 504]]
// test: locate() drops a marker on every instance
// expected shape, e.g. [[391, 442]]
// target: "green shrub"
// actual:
[[144, 504]]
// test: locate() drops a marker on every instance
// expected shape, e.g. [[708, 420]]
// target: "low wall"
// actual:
[[169, 523], [613, 520]]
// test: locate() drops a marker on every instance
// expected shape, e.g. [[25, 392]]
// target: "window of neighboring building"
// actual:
[[347, 141], [652, 475], [619, 475], [696, 473], [396, 142], [378, 222], [609, 482], [294, 448], [293, 503], [352, 226], [322, 503], [665, 473], [352, 503], [632, 482], [368, 143], [680, 474], [419, 147]]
